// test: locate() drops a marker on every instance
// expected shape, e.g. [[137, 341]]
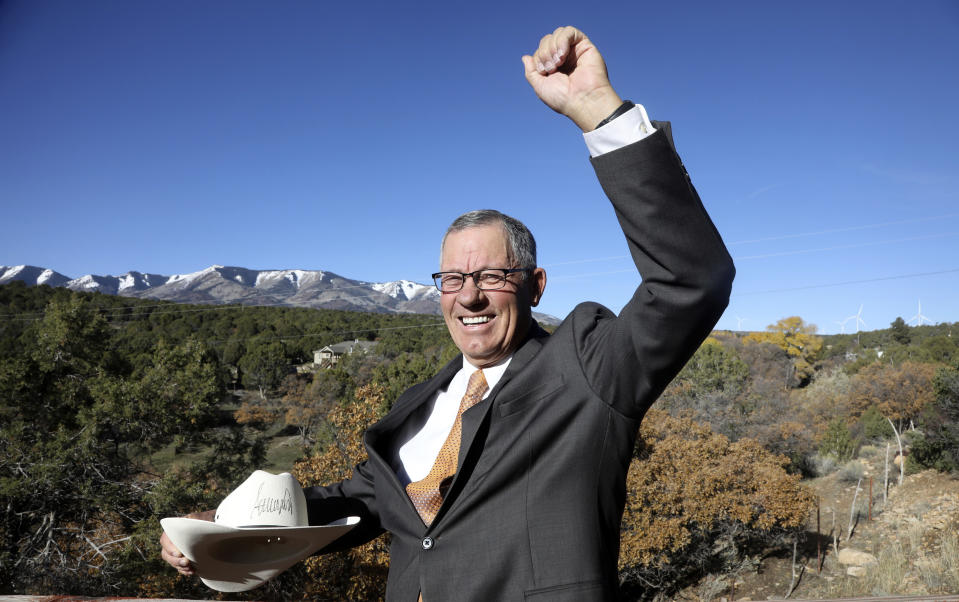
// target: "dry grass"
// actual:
[[712, 587], [888, 576], [852, 471], [906, 568], [914, 534], [940, 572]]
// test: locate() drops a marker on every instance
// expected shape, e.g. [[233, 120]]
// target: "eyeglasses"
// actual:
[[489, 279]]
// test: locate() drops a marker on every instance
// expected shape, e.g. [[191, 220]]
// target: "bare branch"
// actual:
[[852, 510], [795, 578], [902, 458]]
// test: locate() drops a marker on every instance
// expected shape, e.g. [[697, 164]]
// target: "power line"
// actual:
[[591, 274], [796, 235], [133, 310], [325, 334], [845, 282], [308, 335], [848, 229], [844, 247], [578, 261]]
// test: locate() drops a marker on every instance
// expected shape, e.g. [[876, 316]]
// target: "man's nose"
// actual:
[[470, 294]]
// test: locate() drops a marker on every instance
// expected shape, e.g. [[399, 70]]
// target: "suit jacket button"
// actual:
[[427, 543]]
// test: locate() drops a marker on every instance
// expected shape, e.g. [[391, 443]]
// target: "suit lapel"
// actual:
[[410, 408], [474, 417], [410, 411]]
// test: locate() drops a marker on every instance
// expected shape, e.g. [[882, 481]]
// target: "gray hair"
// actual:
[[521, 246]]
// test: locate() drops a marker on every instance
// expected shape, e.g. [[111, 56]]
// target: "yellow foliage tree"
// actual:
[[692, 495], [360, 573], [797, 338]]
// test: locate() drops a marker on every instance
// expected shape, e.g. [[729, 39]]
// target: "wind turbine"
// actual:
[[842, 325], [919, 317], [739, 323], [857, 317]]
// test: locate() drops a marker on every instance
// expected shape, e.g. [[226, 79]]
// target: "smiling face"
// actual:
[[487, 326]]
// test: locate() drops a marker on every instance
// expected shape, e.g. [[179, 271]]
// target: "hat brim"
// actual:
[[236, 559]]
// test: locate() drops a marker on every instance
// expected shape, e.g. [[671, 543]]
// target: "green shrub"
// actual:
[[874, 425], [837, 441], [939, 446]]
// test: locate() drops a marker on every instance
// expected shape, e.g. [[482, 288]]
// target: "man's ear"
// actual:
[[537, 284]]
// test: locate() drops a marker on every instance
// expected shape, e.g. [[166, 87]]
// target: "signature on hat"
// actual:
[[266, 504]]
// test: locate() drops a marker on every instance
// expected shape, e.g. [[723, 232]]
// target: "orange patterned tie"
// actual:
[[427, 493]]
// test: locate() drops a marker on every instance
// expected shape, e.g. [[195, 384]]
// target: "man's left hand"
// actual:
[[568, 73]]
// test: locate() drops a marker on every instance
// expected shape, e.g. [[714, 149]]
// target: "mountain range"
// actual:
[[219, 284]]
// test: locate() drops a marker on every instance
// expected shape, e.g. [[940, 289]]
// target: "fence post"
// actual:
[[818, 539]]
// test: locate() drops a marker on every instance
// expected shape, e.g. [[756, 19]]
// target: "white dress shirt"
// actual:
[[417, 455]]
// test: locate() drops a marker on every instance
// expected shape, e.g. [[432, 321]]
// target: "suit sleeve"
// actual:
[[352, 497], [686, 276]]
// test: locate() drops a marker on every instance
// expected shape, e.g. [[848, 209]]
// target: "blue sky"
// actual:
[[169, 136]]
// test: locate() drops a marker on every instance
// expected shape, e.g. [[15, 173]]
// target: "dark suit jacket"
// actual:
[[534, 510]]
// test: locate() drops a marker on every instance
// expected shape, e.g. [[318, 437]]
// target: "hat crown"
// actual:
[[264, 500]]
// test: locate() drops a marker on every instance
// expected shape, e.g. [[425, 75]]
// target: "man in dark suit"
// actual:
[[503, 477]]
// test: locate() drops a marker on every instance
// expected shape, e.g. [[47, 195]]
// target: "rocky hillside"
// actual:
[[910, 547]]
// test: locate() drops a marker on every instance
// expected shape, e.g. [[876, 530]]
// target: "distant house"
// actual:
[[328, 356]]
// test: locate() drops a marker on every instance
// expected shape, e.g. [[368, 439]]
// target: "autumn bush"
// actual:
[[697, 503], [694, 499], [358, 574], [255, 414], [899, 391]]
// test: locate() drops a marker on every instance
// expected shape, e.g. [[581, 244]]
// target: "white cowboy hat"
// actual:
[[260, 530]]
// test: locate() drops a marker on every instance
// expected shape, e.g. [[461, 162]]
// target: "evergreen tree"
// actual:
[[900, 331], [939, 446], [837, 441], [75, 488], [264, 365]]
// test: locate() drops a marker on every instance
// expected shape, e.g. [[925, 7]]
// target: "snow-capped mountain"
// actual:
[[228, 284], [31, 275], [219, 284], [404, 289]]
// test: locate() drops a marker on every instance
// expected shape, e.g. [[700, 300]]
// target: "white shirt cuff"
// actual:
[[632, 126]]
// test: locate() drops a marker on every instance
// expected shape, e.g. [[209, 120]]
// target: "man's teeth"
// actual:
[[476, 320]]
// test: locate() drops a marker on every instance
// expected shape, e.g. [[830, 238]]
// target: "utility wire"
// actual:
[[172, 307], [845, 282], [849, 229], [324, 334], [844, 247], [780, 237]]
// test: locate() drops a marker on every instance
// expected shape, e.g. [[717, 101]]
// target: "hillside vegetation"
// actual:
[[116, 412]]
